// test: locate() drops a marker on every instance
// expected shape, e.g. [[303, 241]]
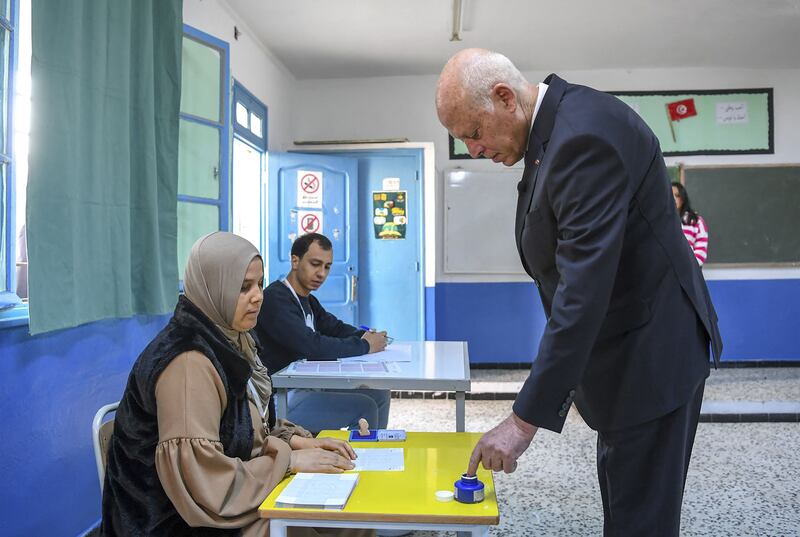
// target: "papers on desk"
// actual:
[[341, 368], [376, 364], [317, 491], [396, 352], [379, 460]]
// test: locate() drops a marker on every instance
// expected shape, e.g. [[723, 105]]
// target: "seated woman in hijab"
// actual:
[[195, 448]]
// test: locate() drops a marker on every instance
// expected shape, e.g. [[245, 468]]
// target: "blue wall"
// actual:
[[503, 321], [430, 313], [51, 387], [759, 319]]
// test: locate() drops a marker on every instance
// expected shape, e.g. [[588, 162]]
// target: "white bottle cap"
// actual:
[[444, 495]]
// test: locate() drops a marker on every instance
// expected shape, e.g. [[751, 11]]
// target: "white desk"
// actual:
[[440, 366]]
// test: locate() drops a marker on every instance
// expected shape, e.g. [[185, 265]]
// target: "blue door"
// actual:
[[317, 193], [391, 287], [391, 290]]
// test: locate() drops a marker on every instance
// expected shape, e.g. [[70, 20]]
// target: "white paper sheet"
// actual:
[[396, 352], [342, 368], [321, 491], [379, 460], [732, 112]]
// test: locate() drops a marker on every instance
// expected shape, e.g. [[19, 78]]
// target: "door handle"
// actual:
[[353, 287]]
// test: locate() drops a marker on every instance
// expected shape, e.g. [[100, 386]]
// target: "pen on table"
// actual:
[[368, 329]]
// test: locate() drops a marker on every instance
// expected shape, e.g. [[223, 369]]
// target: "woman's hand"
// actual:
[[339, 446], [330, 444], [319, 460]]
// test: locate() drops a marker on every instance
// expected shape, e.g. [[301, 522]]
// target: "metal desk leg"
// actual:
[[475, 531], [283, 402], [460, 414], [277, 528]]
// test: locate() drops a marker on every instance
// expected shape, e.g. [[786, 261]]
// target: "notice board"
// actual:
[[714, 122]]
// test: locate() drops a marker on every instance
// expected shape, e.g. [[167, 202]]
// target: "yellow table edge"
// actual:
[[460, 444]]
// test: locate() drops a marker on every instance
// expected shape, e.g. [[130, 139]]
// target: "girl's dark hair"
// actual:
[[688, 215]]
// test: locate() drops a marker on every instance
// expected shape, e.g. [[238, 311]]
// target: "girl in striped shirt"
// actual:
[[694, 227]]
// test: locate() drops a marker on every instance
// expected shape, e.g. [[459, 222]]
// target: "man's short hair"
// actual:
[[301, 244]]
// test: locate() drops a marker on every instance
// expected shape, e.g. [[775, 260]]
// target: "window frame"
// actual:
[[253, 105], [17, 312], [258, 143], [223, 203]]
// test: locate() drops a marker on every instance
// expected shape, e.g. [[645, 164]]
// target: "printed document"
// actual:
[[379, 460], [317, 491], [396, 352]]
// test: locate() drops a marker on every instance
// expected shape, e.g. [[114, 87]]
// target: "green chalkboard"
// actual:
[[674, 173], [753, 213], [458, 149], [719, 122]]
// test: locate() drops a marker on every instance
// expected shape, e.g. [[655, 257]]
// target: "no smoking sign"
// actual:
[[309, 189], [309, 183]]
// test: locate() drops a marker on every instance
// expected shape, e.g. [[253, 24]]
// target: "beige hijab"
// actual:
[[213, 281]]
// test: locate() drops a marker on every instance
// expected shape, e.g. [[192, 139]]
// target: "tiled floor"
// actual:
[[754, 384], [731, 394], [744, 479], [725, 384]]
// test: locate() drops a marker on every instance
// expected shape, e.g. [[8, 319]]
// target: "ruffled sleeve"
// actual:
[[207, 487], [285, 429]]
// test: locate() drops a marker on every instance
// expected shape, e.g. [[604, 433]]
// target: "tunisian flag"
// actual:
[[681, 109]]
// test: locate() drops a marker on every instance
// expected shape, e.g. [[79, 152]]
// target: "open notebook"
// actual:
[[317, 491]]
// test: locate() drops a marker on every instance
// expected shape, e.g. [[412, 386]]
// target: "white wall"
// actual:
[[403, 107], [391, 107], [252, 64]]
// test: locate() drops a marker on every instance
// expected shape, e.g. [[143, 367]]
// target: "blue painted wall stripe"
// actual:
[[502, 322], [430, 313], [759, 319], [52, 386]]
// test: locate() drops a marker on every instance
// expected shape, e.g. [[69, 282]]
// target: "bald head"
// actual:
[[468, 78], [483, 100]]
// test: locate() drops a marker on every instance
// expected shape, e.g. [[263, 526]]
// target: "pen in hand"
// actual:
[[368, 329]]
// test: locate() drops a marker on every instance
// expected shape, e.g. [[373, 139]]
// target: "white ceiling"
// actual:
[[365, 38]]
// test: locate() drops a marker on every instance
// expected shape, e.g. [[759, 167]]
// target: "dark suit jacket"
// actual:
[[629, 318]]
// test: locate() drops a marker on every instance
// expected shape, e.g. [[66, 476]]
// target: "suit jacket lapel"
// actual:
[[537, 142]]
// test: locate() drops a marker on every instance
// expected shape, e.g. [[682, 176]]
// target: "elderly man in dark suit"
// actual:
[[629, 318]]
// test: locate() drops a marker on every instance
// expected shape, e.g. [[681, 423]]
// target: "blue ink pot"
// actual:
[[468, 489]]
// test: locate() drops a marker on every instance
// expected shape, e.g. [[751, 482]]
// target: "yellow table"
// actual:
[[402, 500]]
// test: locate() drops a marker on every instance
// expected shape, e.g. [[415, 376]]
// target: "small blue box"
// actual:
[[355, 436]]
